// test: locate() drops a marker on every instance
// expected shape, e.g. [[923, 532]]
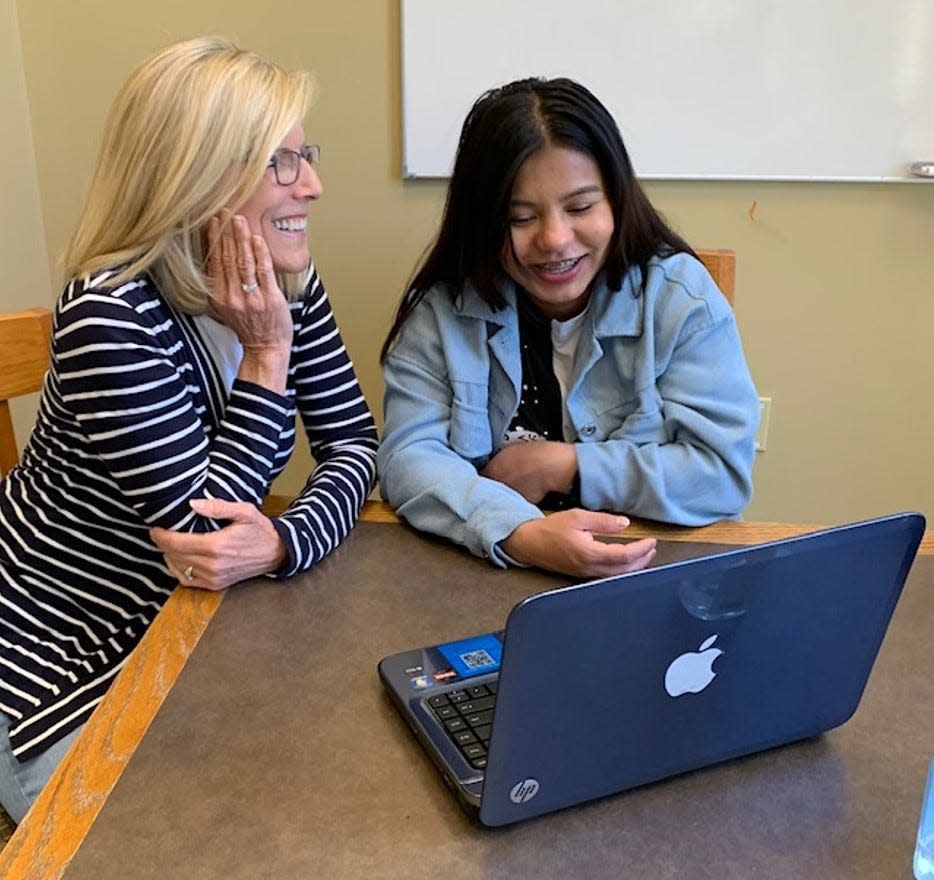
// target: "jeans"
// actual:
[[21, 781]]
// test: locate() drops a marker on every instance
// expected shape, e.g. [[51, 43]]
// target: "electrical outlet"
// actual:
[[765, 412]]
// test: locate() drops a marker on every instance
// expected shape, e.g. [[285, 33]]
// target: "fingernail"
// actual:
[[622, 522], [198, 504]]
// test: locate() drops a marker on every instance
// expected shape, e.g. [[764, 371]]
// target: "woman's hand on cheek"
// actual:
[[247, 299]]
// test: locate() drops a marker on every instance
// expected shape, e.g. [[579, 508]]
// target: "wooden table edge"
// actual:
[[46, 841]]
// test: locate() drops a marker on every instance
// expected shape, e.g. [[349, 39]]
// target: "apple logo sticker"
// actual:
[[691, 672]]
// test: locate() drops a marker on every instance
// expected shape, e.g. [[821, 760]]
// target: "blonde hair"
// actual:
[[191, 131]]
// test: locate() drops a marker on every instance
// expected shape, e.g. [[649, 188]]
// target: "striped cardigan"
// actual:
[[135, 420]]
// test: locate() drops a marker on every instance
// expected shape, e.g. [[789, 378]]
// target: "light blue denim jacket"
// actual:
[[662, 402]]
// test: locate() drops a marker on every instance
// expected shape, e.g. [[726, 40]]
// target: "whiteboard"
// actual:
[[701, 89]]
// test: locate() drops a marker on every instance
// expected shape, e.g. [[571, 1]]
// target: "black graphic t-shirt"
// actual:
[[539, 416]]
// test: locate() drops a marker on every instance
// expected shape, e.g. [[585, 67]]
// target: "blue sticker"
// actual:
[[475, 656]]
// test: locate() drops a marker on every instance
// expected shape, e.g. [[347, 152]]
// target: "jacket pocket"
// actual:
[[469, 432]]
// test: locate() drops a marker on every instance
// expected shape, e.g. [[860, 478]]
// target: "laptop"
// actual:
[[599, 687]]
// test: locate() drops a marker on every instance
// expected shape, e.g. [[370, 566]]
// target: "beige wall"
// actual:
[[834, 286], [22, 237]]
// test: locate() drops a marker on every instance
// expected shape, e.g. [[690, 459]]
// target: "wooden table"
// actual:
[[54, 830]]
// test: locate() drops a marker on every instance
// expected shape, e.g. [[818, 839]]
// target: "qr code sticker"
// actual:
[[477, 659]]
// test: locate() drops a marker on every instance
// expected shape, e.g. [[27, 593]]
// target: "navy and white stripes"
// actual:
[[135, 421]]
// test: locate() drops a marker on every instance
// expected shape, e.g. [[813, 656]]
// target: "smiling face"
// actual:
[[280, 213], [561, 228]]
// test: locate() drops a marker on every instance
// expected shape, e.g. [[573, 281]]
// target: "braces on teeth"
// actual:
[[559, 266]]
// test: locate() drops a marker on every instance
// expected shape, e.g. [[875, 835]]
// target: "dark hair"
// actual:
[[505, 127]]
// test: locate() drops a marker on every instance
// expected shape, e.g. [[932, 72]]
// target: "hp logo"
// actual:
[[524, 791]]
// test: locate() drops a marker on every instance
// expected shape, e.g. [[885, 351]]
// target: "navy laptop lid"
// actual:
[[612, 684]]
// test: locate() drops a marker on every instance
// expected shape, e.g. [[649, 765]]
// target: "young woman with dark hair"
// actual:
[[560, 347]]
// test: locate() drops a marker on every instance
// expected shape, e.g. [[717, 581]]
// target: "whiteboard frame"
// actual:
[[832, 93]]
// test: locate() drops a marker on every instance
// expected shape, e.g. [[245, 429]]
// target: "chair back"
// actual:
[[24, 358], [721, 264]]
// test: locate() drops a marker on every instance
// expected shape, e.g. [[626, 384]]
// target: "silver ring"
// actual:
[[189, 573], [249, 288]]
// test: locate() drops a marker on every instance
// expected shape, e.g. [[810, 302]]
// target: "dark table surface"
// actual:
[[276, 753]]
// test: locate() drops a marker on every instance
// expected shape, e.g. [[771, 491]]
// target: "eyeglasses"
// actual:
[[286, 163]]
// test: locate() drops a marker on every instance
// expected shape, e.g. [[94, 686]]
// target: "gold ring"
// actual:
[[249, 288], [189, 573]]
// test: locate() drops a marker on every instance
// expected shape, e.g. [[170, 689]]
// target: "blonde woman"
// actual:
[[192, 328]]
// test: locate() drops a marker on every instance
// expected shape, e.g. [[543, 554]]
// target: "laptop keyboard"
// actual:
[[466, 714]]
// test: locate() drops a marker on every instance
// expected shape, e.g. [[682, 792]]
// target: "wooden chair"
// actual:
[[24, 358], [721, 264]]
